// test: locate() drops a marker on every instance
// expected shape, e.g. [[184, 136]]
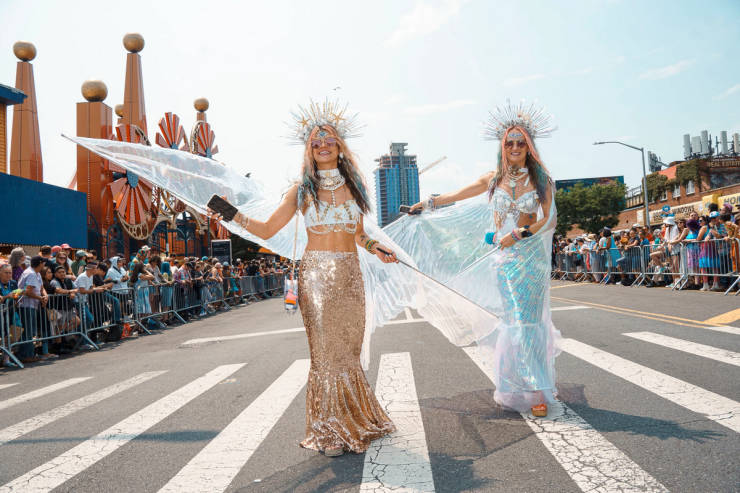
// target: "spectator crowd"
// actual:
[[45, 297], [701, 252]]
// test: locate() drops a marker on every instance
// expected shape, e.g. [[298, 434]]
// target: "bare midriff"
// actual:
[[338, 241]]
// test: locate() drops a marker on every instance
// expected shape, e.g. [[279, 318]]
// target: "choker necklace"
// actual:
[[331, 180]]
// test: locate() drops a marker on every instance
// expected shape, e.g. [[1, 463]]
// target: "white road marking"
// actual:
[[36, 422], [42, 391], [214, 467], [593, 462], [714, 406], [728, 329], [50, 475], [571, 307], [6, 385], [242, 336], [234, 337], [710, 352], [399, 461]]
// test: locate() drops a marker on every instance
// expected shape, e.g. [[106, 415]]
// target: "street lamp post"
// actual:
[[644, 175]]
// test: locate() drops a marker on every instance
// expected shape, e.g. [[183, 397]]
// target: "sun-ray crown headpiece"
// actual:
[[305, 119], [531, 118]]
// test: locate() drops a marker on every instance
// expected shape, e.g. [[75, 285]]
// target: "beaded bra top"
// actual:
[[323, 217], [507, 209]]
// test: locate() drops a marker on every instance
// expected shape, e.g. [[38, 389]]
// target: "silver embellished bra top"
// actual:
[[323, 218], [507, 209]]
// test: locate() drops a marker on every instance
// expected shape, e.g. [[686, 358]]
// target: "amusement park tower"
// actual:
[[396, 182]]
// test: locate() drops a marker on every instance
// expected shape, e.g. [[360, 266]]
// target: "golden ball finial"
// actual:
[[201, 104], [94, 90], [119, 110], [133, 42], [24, 50]]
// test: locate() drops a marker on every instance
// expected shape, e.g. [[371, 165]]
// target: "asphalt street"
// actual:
[[648, 383]]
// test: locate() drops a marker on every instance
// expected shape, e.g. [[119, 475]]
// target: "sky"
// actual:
[[424, 72]]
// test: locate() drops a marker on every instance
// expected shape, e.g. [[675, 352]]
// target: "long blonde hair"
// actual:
[[347, 165]]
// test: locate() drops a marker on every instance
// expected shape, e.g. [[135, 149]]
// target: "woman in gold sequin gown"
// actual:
[[342, 413]]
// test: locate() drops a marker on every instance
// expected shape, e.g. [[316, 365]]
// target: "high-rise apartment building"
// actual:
[[396, 182]]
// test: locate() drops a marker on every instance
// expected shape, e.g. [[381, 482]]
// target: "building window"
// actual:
[[676, 191], [689, 187], [664, 195]]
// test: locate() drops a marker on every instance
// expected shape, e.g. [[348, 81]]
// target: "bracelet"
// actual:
[[428, 204], [515, 234], [369, 244]]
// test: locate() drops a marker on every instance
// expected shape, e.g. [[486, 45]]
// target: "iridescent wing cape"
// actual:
[[389, 288], [448, 244]]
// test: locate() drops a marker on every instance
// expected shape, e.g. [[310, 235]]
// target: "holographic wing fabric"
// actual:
[[389, 288], [519, 347]]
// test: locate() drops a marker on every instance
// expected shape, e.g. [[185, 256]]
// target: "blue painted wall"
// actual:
[[33, 213]]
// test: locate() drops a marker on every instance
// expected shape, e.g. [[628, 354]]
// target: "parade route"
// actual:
[[647, 382]]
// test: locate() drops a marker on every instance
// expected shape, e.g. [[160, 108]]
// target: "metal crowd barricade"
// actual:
[[24, 327], [711, 261]]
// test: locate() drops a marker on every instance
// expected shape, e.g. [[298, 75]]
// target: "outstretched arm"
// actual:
[[373, 246], [476, 188], [276, 222]]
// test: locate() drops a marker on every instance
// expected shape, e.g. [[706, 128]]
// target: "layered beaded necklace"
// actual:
[[331, 180], [516, 176]]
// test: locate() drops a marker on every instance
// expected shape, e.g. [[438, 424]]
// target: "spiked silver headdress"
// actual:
[[531, 118], [330, 113]]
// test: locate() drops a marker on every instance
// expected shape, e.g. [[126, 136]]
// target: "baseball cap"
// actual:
[[55, 249], [714, 214], [203, 259], [81, 253], [65, 246], [90, 265]]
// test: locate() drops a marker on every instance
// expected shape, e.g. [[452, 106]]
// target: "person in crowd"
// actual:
[[61, 260], [78, 266], [33, 299], [16, 261], [85, 287], [101, 279], [8, 293], [45, 253], [733, 237], [184, 298], [708, 253], [672, 249], [70, 254], [140, 279], [166, 292], [63, 302], [608, 249]]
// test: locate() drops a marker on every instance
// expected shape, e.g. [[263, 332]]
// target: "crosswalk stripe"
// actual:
[[6, 385], [399, 461], [566, 308], [36, 422], [242, 336], [593, 462], [214, 467], [705, 351], [714, 406], [42, 391], [50, 475], [728, 329]]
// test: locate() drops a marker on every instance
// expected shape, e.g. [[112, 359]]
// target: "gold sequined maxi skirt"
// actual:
[[341, 409]]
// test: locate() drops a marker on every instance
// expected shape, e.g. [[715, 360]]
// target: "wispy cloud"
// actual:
[[516, 81], [668, 71], [424, 19], [426, 109], [394, 99], [729, 92]]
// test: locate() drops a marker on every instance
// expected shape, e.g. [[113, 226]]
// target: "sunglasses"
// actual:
[[517, 144], [328, 141]]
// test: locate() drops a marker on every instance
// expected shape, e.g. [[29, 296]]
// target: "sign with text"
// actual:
[[221, 249]]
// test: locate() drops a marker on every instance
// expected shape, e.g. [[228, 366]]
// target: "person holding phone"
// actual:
[[342, 413], [521, 203]]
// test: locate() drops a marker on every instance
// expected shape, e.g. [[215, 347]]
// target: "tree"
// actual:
[[590, 208]]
